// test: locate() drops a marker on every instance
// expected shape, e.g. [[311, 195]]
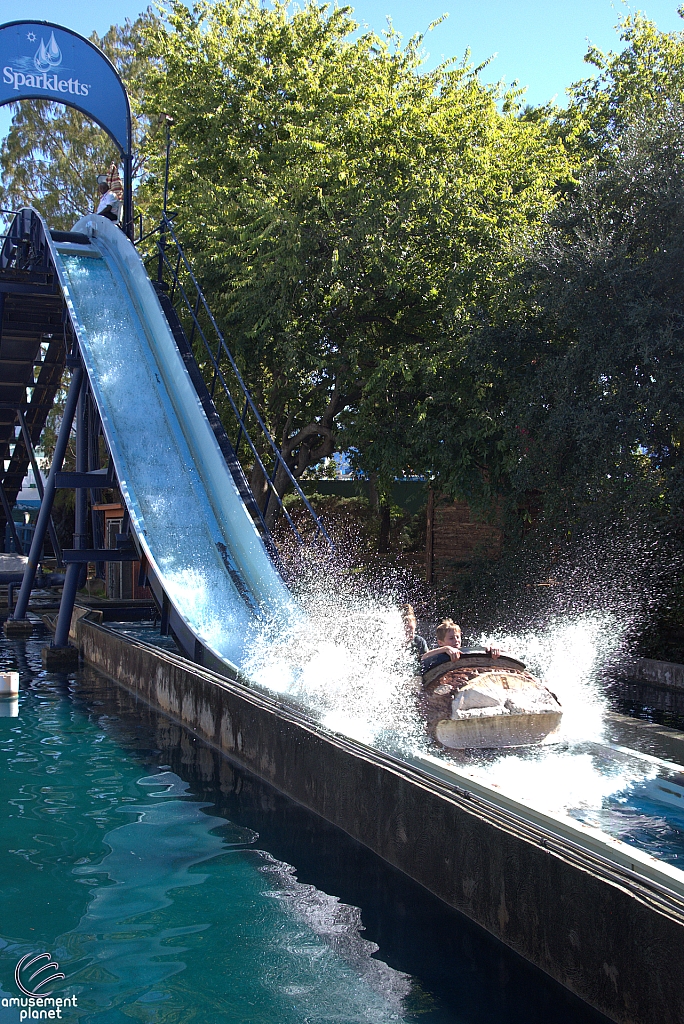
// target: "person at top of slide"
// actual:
[[111, 194]]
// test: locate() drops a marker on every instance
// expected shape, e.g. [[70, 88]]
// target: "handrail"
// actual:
[[226, 389], [24, 244], [165, 235]]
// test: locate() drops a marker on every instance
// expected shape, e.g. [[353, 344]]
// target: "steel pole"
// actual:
[[162, 232], [39, 483], [95, 493], [66, 605], [75, 569], [49, 496], [81, 503], [19, 547]]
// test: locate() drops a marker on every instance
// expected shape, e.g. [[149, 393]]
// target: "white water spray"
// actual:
[[345, 664], [567, 656]]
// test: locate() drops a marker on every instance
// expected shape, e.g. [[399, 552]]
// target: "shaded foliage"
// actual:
[[589, 372]]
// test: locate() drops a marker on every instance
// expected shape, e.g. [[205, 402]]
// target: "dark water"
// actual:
[[171, 886]]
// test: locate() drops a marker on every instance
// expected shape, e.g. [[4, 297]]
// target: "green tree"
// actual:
[[574, 409], [53, 153], [350, 214], [586, 370], [638, 82], [603, 408]]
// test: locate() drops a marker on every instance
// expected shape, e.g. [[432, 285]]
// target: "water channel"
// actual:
[[344, 665], [169, 885]]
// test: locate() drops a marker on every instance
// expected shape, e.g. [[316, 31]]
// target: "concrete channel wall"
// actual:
[[613, 939], [656, 673], [656, 684]]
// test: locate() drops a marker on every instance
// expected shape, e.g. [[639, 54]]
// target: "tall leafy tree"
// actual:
[[585, 356], [598, 401], [583, 367], [638, 82], [350, 214], [574, 408]]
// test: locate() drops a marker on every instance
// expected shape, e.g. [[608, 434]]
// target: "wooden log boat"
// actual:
[[484, 702]]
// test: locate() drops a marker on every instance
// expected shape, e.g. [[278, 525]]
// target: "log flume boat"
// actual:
[[483, 702]]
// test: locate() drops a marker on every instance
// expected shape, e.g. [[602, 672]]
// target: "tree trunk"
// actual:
[[384, 535], [311, 444], [373, 493]]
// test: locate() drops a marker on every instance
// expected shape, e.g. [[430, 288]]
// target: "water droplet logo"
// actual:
[[49, 56], [29, 961]]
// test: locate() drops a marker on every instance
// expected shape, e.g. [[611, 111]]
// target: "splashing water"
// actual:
[[567, 655], [346, 664], [560, 781]]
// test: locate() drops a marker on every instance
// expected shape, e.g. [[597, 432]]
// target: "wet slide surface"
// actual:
[[185, 509]]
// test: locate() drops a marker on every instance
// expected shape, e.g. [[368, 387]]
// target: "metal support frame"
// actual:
[[89, 478], [39, 484], [75, 570], [25, 257], [49, 495]]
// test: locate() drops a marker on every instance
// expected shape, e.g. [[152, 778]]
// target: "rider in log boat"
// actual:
[[448, 647], [478, 698]]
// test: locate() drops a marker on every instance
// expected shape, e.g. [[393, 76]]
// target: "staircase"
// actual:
[[32, 348]]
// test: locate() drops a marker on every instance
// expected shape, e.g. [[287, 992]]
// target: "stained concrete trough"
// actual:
[[656, 673], [655, 684], [608, 933]]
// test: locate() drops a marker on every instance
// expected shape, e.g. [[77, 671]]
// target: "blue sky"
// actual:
[[539, 42]]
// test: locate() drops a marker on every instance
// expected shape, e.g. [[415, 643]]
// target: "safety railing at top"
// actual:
[[22, 245], [6, 218], [166, 260]]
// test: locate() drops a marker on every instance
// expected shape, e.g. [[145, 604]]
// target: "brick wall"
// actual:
[[454, 538]]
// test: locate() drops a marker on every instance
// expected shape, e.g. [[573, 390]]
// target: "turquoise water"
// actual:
[[642, 823], [169, 886]]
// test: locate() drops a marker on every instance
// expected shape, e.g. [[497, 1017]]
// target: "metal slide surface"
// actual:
[[186, 512]]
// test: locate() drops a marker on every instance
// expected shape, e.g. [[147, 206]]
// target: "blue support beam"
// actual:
[[49, 496], [81, 555], [75, 570]]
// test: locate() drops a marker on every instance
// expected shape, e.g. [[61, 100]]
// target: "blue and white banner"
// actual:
[[39, 60]]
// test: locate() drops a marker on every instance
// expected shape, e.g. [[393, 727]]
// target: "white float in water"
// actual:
[[9, 685]]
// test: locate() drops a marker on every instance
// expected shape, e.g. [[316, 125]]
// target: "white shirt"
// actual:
[[110, 199]]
